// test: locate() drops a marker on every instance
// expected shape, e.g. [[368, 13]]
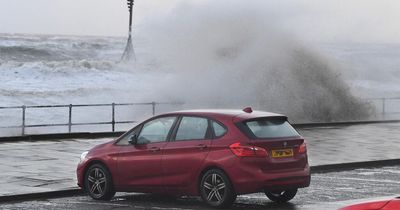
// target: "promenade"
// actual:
[[43, 166]]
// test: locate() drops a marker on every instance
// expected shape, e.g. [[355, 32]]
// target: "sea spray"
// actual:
[[207, 55], [229, 55]]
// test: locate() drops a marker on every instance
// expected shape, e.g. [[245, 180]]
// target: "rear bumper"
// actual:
[[288, 183], [245, 181]]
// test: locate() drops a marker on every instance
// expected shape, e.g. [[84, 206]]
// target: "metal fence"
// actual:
[[386, 105], [113, 122]]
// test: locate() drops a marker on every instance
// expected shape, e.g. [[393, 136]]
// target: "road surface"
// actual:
[[327, 191]]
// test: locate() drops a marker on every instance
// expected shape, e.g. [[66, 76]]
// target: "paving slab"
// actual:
[[42, 166], [354, 143]]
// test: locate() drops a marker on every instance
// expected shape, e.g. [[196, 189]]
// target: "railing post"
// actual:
[[113, 117], [383, 106], [70, 119], [23, 119], [153, 104]]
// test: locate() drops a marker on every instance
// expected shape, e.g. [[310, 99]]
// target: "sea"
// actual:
[[60, 69]]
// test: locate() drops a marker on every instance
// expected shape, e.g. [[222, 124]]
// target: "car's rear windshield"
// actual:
[[270, 128]]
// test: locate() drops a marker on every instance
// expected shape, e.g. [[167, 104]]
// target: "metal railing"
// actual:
[[24, 125], [383, 106], [384, 102]]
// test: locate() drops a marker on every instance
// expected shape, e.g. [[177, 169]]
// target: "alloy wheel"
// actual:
[[216, 189], [97, 182]]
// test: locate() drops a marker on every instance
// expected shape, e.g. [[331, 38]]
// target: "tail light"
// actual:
[[303, 148], [248, 151]]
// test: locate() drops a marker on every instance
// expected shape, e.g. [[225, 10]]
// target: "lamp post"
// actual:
[[129, 52]]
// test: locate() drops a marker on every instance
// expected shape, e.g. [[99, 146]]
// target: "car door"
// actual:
[[139, 165], [186, 152]]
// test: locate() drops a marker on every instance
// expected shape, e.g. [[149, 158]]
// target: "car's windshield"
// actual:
[[271, 128]]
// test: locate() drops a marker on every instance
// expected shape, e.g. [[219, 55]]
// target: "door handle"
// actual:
[[155, 149], [202, 146]]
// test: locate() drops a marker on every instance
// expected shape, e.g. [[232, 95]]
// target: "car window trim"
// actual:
[[174, 125], [141, 127], [246, 130], [126, 134], [208, 136], [214, 136], [169, 132]]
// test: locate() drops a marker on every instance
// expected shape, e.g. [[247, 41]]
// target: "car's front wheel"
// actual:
[[216, 189], [98, 182], [281, 196]]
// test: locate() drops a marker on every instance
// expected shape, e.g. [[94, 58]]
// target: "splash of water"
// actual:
[[231, 56]]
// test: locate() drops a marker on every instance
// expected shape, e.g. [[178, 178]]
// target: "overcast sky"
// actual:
[[79, 17], [322, 20]]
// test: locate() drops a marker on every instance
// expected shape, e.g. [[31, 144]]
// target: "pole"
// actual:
[[23, 119], [70, 119], [113, 117], [153, 104], [130, 6], [383, 106], [129, 52]]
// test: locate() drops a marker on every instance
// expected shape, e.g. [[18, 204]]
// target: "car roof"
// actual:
[[228, 113]]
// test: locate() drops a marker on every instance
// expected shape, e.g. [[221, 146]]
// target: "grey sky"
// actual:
[[320, 20], [81, 17]]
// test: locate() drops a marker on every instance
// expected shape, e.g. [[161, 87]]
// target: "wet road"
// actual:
[[327, 191], [28, 167]]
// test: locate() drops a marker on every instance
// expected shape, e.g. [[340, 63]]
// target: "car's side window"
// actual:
[[219, 130], [156, 130], [125, 140], [192, 128]]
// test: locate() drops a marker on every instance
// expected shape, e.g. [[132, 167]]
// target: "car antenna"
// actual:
[[248, 110], [129, 52]]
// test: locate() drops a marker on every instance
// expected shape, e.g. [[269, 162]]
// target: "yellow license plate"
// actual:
[[282, 153]]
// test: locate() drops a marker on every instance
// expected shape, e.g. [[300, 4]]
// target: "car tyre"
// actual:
[[281, 196], [98, 182], [216, 189]]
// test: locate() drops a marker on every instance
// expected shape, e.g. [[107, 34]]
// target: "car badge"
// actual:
[[284, 144]]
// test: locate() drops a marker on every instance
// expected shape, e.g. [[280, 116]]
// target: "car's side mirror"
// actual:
[[133, 140]]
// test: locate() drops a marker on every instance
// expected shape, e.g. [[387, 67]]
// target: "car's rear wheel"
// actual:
[[281, 196], [98, 182], [216, 189]]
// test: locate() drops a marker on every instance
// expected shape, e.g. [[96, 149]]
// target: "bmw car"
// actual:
[[388, 204], [215, 154]]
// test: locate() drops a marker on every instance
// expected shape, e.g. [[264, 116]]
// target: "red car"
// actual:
[[217, 154], [392, 204]]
